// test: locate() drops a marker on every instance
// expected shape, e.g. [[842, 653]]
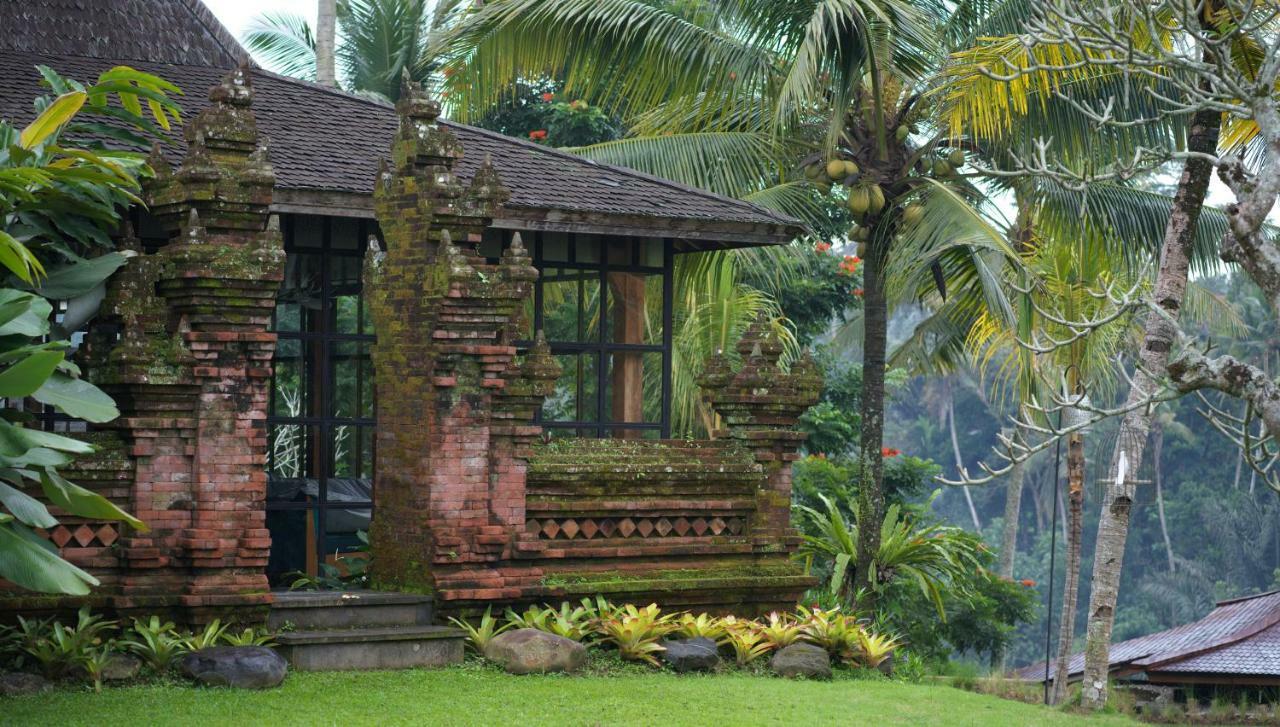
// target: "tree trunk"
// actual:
[[870, 490], [1071, 588], [1160, 333], [326, 38], [1157, 447], [955, 449], [1012, 511]]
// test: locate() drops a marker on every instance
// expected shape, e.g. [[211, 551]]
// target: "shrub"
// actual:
[[157, 643], [704, 626], [58, 648], [637, 632], [478, 637]]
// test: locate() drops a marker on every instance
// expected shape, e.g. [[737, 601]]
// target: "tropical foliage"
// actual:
[[59, 202]]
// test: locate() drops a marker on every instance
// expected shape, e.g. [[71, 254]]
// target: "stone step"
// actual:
[[315, 610], [390, 647]]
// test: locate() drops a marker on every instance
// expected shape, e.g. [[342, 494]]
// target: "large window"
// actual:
[[604, 303], [321, 417]]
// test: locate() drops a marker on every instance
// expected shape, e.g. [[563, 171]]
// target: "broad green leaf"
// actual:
[[25, 377], [68, 281], [16, 442], [33, 567], [84, 503], [62, 110], [17, 258], [25, 507], [77, 398]]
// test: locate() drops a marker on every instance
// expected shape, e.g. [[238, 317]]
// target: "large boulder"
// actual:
[[697, 654], [245, 667], [530, 651], [16, 683], [121, 667], [802, 660]]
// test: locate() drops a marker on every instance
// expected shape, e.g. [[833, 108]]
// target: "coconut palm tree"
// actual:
[[756, 86], [377, 42]]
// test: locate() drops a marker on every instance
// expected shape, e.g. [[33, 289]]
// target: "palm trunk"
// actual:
[[326, 38], [1012, 512], [870, 490], [1071, 588], [1157, 447], [1170, 289]]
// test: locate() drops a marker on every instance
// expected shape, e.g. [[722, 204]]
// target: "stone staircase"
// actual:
[[344, 630]]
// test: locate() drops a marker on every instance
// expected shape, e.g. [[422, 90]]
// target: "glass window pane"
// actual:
[[570, 305], [289, 541], [586, 248], [555, 246], [345, 234], [635, 308], [350, 380], [652, 253], [352, 447], [298, 303], [491, 244], [290, 459], [342, 527], [574, 398], [620, 251], [289, 385], [633, 386], [308, 231]]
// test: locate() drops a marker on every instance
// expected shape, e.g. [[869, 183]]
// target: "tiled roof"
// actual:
[[326, 141], [1241, 636], [160, 31]]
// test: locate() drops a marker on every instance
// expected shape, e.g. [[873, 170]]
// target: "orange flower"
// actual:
[[548, 96], [1028, 582], [538, 134], [889, 452], [857, 292], [822, 246], [849, 265]]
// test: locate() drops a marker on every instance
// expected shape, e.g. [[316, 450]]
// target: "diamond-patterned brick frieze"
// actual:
[[84, 535], [655, 527]]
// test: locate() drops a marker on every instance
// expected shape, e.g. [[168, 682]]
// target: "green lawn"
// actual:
[[472, 695]]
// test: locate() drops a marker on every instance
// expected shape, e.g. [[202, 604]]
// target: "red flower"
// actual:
[[889, 452], [1028, 582], [857, 292], [548, 96], [849, 265], [822, 246], [538, 134]]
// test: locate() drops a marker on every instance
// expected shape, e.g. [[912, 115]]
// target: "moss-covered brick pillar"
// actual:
[[191, 368], [455, 404], [760, 404]]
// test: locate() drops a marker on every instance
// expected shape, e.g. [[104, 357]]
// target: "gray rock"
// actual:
[[697, 654], [121, 667], [245, 667], [530, 651], [17, 683], [804, 660]]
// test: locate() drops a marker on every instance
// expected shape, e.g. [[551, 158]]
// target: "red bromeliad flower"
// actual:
[[538, 134], [889, 452], [548, 96], [822, 246]]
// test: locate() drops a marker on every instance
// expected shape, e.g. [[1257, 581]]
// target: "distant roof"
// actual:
[[1238, 637], [325, 144]]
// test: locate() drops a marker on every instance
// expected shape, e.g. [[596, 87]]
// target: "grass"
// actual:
[[479, 695]]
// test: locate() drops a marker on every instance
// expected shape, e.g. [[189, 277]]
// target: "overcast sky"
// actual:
[[236, 14]]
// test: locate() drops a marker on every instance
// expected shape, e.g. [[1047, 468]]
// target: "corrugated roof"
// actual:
[[322, 140], [1240, 636]]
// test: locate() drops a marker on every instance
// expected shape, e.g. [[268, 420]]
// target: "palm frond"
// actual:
[[283, 42]]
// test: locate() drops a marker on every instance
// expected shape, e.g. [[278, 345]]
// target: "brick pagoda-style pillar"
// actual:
[[760, 405], [184, 345], [455, 406]]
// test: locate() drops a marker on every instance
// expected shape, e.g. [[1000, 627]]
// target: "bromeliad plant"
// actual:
[[746, 639], [781, 629], [479, 636], [637, 632], [701, 626], [156, 642]]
